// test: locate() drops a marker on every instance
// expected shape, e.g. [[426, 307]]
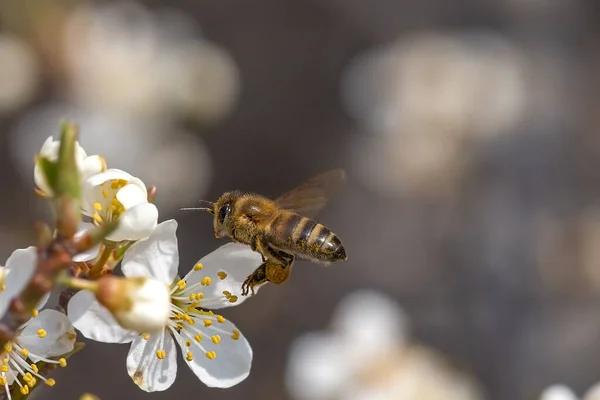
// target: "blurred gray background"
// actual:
[[468, 129]]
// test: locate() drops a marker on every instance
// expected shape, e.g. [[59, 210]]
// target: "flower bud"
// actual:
[[139, 304]]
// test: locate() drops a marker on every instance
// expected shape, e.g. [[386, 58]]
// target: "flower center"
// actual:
[[108, 208], [190, 322]]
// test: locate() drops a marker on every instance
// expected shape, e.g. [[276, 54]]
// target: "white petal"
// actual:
[[43, 301], [92, 253], [96, 322], [368, 322], [237, 261], [146, 370], [20, 266], [107, 175], [316, 367], [131, 195], [136, 223], [155, 257], [49, 148], [92, 165], [40, 180], [593, 393], [60, 335], [232, 363], [558, 392]]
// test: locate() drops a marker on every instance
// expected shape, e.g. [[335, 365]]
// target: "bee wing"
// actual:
[[309, 197]]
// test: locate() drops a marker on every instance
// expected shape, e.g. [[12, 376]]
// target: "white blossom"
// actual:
[[211, 346], [19, 268], [115, 194], [87, 165]]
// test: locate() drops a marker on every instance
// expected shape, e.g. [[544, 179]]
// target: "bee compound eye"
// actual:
[[223, 212]]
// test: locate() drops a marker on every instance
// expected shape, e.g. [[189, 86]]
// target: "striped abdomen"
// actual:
[[306, 238]]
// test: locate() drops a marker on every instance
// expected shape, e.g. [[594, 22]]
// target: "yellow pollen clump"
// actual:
[[205, 281], [198, 338], [222, 275], [35, 368], [220, 319], [211, 355], [34, 313], [181, 284], [41, 333], [216, 339], [236, 334], [161, 354], [62, 362], [25, 390], [2, 381], [233, 299], [50, 382], [146, 336], [97, 218], [189, 356], [97, 206], [198, 267], [207, 323], [25, 352], [4, 368], [188, 343]]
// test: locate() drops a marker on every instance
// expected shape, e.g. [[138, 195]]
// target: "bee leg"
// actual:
[[258, 277]]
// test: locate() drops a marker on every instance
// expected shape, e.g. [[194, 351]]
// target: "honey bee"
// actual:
[[280, 229]]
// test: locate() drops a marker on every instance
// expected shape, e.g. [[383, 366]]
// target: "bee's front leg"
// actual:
[[259, 276]]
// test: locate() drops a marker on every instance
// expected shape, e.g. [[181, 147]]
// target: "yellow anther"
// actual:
[[146, 336], [188, 343], [2, 381], [198, 267], [220, 319], [198, 338], [25, 352], [195, 304], [8, 347], [189, 356], [114, 184], [192, 296], [216, 339], [62, 362], [2, 287], [27, 378], [161, 354], [4, 368], [25, 390], [35, 368], [179, 327], [50, 382], [236, 334], [227, 294], [211, 355], [222, 275], [34, 313], [97, 218], [181, 284], [41, 333], [205, 281], [207, 323], [199, 296], [233, 299], [105, 193], [97, 206]]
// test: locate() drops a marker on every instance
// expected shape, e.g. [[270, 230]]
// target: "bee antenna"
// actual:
[[210, 210]]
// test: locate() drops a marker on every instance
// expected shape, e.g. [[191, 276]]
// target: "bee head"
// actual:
[[222, 210]]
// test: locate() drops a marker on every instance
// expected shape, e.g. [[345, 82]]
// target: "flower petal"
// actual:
[[558, 392], [147, 371], [155, 257], [60, 335], [92, 253], [107, 175], [316, 367], [43, 301], [49, 148], [40, 180], [237, 261], [136, 223], [92, 165], [96, 322], [131, 195], [20, 266], [232, 362]]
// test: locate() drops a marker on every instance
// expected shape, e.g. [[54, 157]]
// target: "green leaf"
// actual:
[[67, 181]]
